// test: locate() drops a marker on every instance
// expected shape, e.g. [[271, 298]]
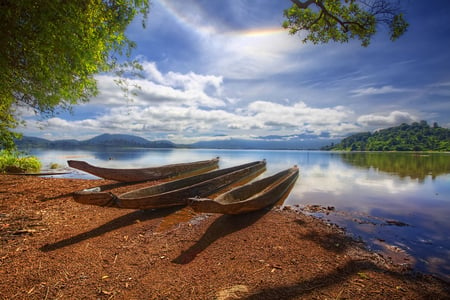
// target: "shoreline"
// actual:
[[52, 246]]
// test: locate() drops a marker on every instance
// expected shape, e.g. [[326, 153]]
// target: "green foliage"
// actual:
[[12, 161], [343, 20], [7, 121], [414, 137], [51, 51], [54, 166]]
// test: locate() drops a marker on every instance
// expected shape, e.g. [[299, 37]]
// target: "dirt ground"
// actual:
[[54, 248]]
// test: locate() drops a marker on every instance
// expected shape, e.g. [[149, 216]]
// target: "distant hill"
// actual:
[[118, 139], [273, 144], [104, 140], [297, 142], [414, 137]]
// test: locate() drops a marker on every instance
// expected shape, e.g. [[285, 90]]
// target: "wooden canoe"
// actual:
[[250, 197], [147, 174], [173, 193]]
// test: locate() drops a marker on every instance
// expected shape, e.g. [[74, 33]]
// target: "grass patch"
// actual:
[[15, 162], [54, 166]]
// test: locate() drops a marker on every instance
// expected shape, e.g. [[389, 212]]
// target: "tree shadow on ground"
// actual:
[[122, 221], [333, 242], [340, 276], [222, 226], [104, 187], [338, 243]]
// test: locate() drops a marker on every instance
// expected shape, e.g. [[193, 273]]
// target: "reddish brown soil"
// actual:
[[54, 248]]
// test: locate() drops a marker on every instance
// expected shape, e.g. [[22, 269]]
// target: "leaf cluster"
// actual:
[[341, 21], [418, 136]]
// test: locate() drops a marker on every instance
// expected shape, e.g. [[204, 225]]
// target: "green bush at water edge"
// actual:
[[14, 161]]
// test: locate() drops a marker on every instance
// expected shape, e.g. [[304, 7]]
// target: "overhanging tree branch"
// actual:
[[303, 5], [341, 20]]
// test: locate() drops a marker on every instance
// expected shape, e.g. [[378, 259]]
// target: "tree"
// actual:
[[342, 20], [414, 137], [51, 50]]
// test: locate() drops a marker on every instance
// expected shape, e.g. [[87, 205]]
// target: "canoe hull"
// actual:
[[173, 193], [251, 197], [147, 174]]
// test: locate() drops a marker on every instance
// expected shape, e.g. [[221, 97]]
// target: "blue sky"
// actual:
[[226, 69]]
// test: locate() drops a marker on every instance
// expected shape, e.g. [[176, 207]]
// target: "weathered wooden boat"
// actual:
[[147, 174], [21, 172], [250, 197], [173, 193], [42, 173]]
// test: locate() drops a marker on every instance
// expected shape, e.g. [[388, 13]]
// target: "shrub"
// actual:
[[14, 162], [54, 166]]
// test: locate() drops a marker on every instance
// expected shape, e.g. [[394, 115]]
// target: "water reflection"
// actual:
[[413, 165], [367, 189]]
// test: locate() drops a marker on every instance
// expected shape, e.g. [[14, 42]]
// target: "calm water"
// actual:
[[391, 201]]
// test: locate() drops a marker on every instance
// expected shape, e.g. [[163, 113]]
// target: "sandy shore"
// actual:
[[54, 248]]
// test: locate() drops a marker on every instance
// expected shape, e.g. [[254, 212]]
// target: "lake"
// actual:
[[397, 203]]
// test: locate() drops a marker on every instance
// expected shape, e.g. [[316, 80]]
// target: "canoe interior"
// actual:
[[181, 183], [172, 193], [250, 197], [254, 188], [181, 196], [144, 174]]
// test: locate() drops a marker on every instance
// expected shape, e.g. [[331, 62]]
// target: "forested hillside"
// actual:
[[415, 137]]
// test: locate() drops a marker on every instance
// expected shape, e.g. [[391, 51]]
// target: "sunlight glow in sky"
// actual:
[[220, 70]]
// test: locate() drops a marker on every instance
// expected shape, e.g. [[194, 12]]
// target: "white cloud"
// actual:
[[190, 105], [171, 103], [189, 122], [369, 91], [300, 117], [186, 89], [440, 89], [445, 84], [185, 82], [152, 73], [253, 54], [393, 118]]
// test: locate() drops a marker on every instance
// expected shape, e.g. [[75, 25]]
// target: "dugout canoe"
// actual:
[[147, 174], [173, 193], [250, 197]]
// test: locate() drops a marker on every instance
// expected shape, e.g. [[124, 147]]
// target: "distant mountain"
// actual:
[[66, 143], [104, 140], [273, 142], [117, 139], [414, 137], [30, 141]]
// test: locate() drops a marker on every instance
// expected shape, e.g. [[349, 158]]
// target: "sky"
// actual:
[[227, 69]]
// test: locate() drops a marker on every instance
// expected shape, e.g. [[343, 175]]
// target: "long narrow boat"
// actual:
[[147, 174], [173, 193], [250, 197]]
